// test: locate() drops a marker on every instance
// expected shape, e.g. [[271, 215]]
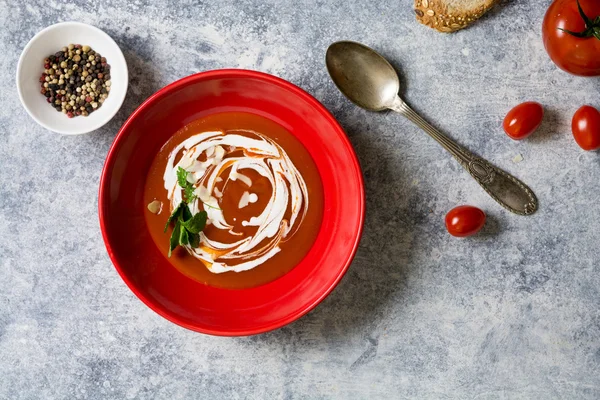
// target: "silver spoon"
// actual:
[[369, 81]]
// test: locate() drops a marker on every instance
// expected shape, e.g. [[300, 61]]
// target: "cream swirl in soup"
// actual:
[[217, 160]]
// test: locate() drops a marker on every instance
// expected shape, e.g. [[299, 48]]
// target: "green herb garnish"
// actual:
[[196, 223], [174, 242], [187, 226], [188, 188], [175, 214], [189, 194]]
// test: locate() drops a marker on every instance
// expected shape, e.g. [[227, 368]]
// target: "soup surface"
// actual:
[[259, 187]]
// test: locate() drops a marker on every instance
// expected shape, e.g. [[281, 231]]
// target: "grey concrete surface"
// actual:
[[513, 313]]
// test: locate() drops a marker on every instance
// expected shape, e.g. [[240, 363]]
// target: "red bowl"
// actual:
[[149, 274]]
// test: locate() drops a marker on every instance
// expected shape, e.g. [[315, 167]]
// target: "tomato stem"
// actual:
[[592, 28], [588, 22]]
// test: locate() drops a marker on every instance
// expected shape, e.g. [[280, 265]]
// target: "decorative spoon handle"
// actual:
[[507, 190]]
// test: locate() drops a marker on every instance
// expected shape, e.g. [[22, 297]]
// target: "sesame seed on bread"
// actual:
[[451, 15]]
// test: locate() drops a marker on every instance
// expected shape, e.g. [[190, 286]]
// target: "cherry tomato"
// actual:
[[586, 128], [576, 55], [523, 120], [464, 221]]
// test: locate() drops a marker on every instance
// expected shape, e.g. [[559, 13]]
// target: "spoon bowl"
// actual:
[[364, 76]]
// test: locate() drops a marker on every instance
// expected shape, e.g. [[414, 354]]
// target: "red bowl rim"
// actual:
[[220, 73]]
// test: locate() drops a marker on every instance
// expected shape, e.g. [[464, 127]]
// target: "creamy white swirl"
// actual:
[[226, 155]]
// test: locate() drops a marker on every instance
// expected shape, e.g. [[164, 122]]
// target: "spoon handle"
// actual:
[[507, 190]]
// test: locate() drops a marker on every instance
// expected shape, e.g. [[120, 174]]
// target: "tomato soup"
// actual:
[[258, 187]]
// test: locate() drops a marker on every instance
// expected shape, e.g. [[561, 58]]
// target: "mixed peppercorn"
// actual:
[[76, 80]]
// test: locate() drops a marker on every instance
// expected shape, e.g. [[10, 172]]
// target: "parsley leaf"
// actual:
[[188, 193], [182, 177], [188, 188]]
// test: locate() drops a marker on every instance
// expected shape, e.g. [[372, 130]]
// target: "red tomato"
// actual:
[[523, 120], [464, 221], [586, 128], [577, 55]]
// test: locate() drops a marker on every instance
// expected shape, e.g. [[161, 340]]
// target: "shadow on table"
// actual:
[[503, 6], [548, 128], [596, 103], [143, 79], [382, 264], [143, 82]]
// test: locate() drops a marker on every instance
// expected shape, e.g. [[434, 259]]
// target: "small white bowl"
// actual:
[[31, 66]]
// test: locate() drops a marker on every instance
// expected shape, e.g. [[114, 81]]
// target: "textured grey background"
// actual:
[[511, 314]]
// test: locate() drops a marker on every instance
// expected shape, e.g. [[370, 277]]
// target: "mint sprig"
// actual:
[[195, 224], [187, 226]]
